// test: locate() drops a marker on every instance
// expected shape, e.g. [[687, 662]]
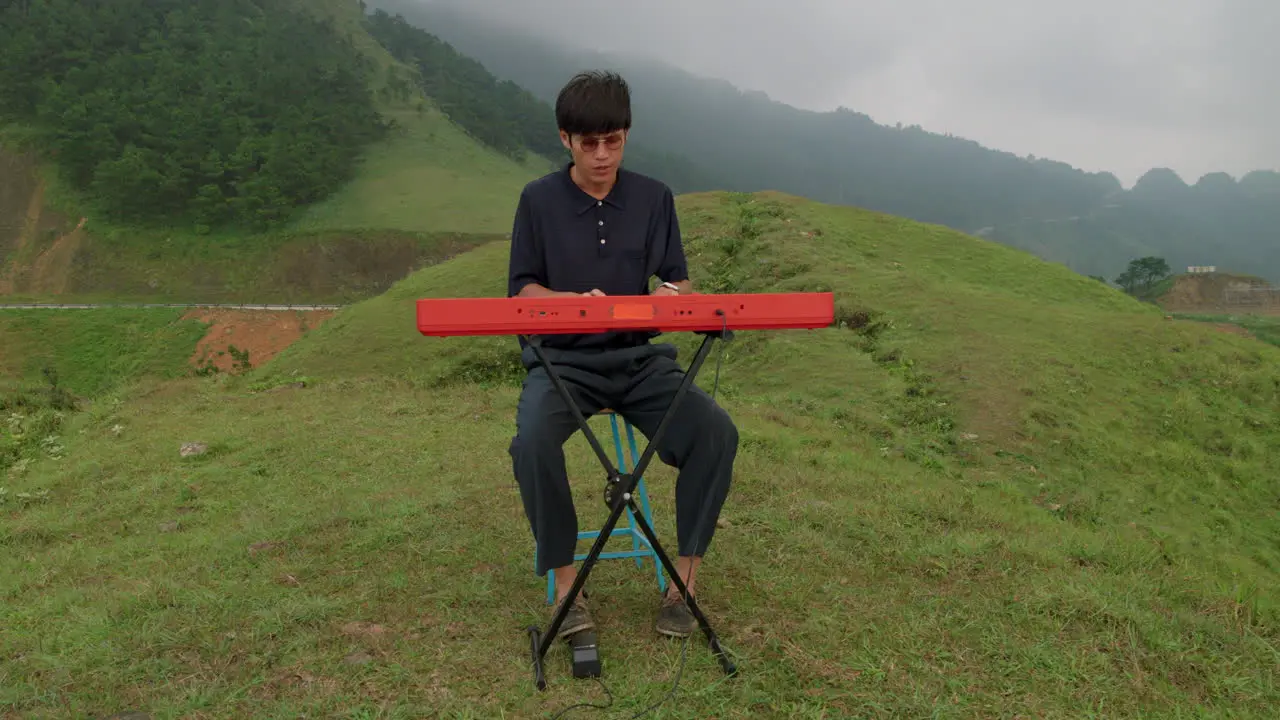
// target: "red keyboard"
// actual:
[[446, 317]]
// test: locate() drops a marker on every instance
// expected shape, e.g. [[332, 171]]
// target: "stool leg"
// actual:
[[625, 468], [551, 587], [644, 508], [635, 536]]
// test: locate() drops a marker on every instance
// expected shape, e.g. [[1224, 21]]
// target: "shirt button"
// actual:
[[599, 203], [601, 241], [602, 222]]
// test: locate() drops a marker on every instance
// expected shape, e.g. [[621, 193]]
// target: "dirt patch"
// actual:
[[1232, 329], [352, 265], [20, 191], [51, 271], [262, 334], [1221, 292], [27, 226]]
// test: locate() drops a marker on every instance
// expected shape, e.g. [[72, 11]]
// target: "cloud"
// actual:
[[1118, 85]]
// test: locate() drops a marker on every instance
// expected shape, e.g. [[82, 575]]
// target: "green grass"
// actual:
[[54, 363], [995, 489], [428, 176], [307, 267], [1264, 327], [93, 352]]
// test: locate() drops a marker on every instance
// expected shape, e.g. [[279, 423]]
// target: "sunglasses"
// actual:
[[591, 142]]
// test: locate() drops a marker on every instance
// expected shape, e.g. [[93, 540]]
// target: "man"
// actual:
[[593, 228]]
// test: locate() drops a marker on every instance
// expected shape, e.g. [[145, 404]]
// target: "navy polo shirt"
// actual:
[[567, 241]]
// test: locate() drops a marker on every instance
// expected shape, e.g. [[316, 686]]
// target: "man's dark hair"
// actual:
[[594, 103]]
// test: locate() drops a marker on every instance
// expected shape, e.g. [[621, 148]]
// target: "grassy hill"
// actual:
[[92, 352], [56, 364], [350, 247], [995, 488], [431, 173], [430, 177], [425, 189]]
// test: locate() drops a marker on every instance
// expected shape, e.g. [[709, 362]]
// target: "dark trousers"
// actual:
[[638, 383]]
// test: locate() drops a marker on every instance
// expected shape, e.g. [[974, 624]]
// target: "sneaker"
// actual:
[[674, 617], [576, 620]]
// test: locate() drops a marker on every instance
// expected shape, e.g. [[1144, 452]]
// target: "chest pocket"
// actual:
[[622, 240]]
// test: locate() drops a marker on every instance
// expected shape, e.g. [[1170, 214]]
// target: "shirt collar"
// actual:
[[585, 202]]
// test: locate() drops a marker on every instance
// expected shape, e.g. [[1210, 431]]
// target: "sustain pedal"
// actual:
[[586, 654]]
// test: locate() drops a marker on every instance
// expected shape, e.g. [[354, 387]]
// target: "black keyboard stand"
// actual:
[[619, 495]]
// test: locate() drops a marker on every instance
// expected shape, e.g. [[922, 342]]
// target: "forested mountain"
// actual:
[[201, 111], [238, 113], [745, 141], [215, 114], [1217, 221], [501, 113]]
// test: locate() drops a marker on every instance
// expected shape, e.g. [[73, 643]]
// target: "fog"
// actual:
[[1121, 85]]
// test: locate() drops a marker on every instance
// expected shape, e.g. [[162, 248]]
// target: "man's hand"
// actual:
[[534, 290], [684, 287]]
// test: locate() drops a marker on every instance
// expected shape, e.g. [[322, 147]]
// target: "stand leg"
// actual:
[[729, 668], [618, 500], [561, 388], [539, 679]]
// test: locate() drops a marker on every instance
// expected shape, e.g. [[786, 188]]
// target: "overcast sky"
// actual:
[[1118, 85]]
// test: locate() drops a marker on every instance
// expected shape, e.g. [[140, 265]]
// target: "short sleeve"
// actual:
[[526, 263], [672, 267]]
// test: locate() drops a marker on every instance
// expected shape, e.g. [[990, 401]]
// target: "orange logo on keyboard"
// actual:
[[633, 311]]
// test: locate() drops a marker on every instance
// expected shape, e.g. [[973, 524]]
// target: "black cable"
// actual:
[[684, 655], [589, 705], [684, 645], [724, 329]]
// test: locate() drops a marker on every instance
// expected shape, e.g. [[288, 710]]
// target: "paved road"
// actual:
[[97, 306]]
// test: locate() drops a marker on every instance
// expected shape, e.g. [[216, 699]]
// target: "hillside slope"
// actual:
[[425, 189], [446, 165], [745, 141], [994, 489], [48, 251], [428, 176]]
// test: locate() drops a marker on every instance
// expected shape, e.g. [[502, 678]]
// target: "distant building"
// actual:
[[1201, 269]]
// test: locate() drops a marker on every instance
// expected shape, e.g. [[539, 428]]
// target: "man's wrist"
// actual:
[[670, 286]]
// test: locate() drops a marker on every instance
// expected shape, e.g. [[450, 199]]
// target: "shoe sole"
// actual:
[[673, 633], [567, 630]]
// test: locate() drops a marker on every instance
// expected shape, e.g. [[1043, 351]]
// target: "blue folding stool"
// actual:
[[640, 547]]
